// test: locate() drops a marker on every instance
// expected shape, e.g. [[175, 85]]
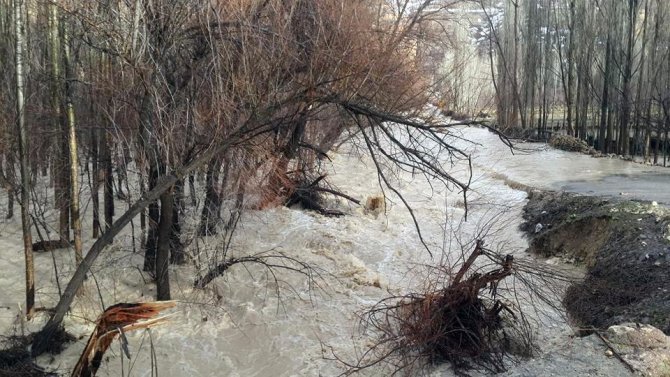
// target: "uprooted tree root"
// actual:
[[469, 322]]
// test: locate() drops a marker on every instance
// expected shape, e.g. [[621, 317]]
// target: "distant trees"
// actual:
[[593, 69]]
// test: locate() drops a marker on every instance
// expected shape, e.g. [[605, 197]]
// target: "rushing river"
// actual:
[[239, 327]]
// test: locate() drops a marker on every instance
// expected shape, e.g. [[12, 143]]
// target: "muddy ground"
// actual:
[[624, 247]]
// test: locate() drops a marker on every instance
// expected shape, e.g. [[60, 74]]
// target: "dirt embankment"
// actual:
[[625, 247]]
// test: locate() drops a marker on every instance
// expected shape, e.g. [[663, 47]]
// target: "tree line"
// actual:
[[596, 70]]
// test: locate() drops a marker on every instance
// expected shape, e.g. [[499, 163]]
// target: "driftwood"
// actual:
[[115, 321]]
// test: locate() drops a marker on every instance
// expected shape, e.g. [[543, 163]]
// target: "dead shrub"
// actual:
[[15, 358], [465, 317]]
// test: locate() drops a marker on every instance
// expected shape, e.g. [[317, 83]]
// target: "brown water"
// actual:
[[363, 258], [540, 166]]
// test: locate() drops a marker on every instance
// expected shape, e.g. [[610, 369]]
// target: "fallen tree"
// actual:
[[468, 316]]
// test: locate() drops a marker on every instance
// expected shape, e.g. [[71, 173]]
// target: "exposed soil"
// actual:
[[625, 247]]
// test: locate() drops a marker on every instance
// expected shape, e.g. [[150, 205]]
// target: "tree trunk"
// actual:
[[571, 75], [95, 182], [25, 163], [209, 218], [191, 190], [176, 248], [149, 144], [624, 133], [604, 103], [163, 252], [154, 217], [61, 166], [611, 142], [641, 78], [74, 158], [11, 181], [108, 194]]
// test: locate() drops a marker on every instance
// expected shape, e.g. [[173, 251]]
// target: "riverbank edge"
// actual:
[[624, 246]]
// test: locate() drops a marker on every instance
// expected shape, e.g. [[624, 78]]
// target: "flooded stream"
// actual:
[[239, 326]]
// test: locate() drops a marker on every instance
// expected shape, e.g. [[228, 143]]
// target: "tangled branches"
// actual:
[[15, 359], [271, 261], [308, 193], [464, 318]]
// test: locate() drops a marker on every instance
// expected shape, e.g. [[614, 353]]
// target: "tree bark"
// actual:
[[209, 219], [569, 102], [61, 168], [95, 182], [108, 194], [74, 158], [9, 185], [163, 250], [624, 134], [25, 163], [604, 103], [176, 248], [155, 164]]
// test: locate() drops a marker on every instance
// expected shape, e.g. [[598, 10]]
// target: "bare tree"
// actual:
[[19, 24]]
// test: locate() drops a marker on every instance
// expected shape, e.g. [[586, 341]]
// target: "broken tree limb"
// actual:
[[114, 321], [614, 352], [50, 245], [466, 266], [277, 260]]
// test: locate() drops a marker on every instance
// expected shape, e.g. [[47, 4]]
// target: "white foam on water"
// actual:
[[238, 326]]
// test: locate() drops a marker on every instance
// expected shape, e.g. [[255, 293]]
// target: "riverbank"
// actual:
[[363, 258], [624, 246]]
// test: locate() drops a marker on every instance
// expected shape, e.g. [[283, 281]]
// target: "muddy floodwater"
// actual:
[[238, 326], [540, 166]]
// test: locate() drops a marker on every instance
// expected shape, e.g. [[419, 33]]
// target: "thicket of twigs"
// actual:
[[15, 359], [469, 315]]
